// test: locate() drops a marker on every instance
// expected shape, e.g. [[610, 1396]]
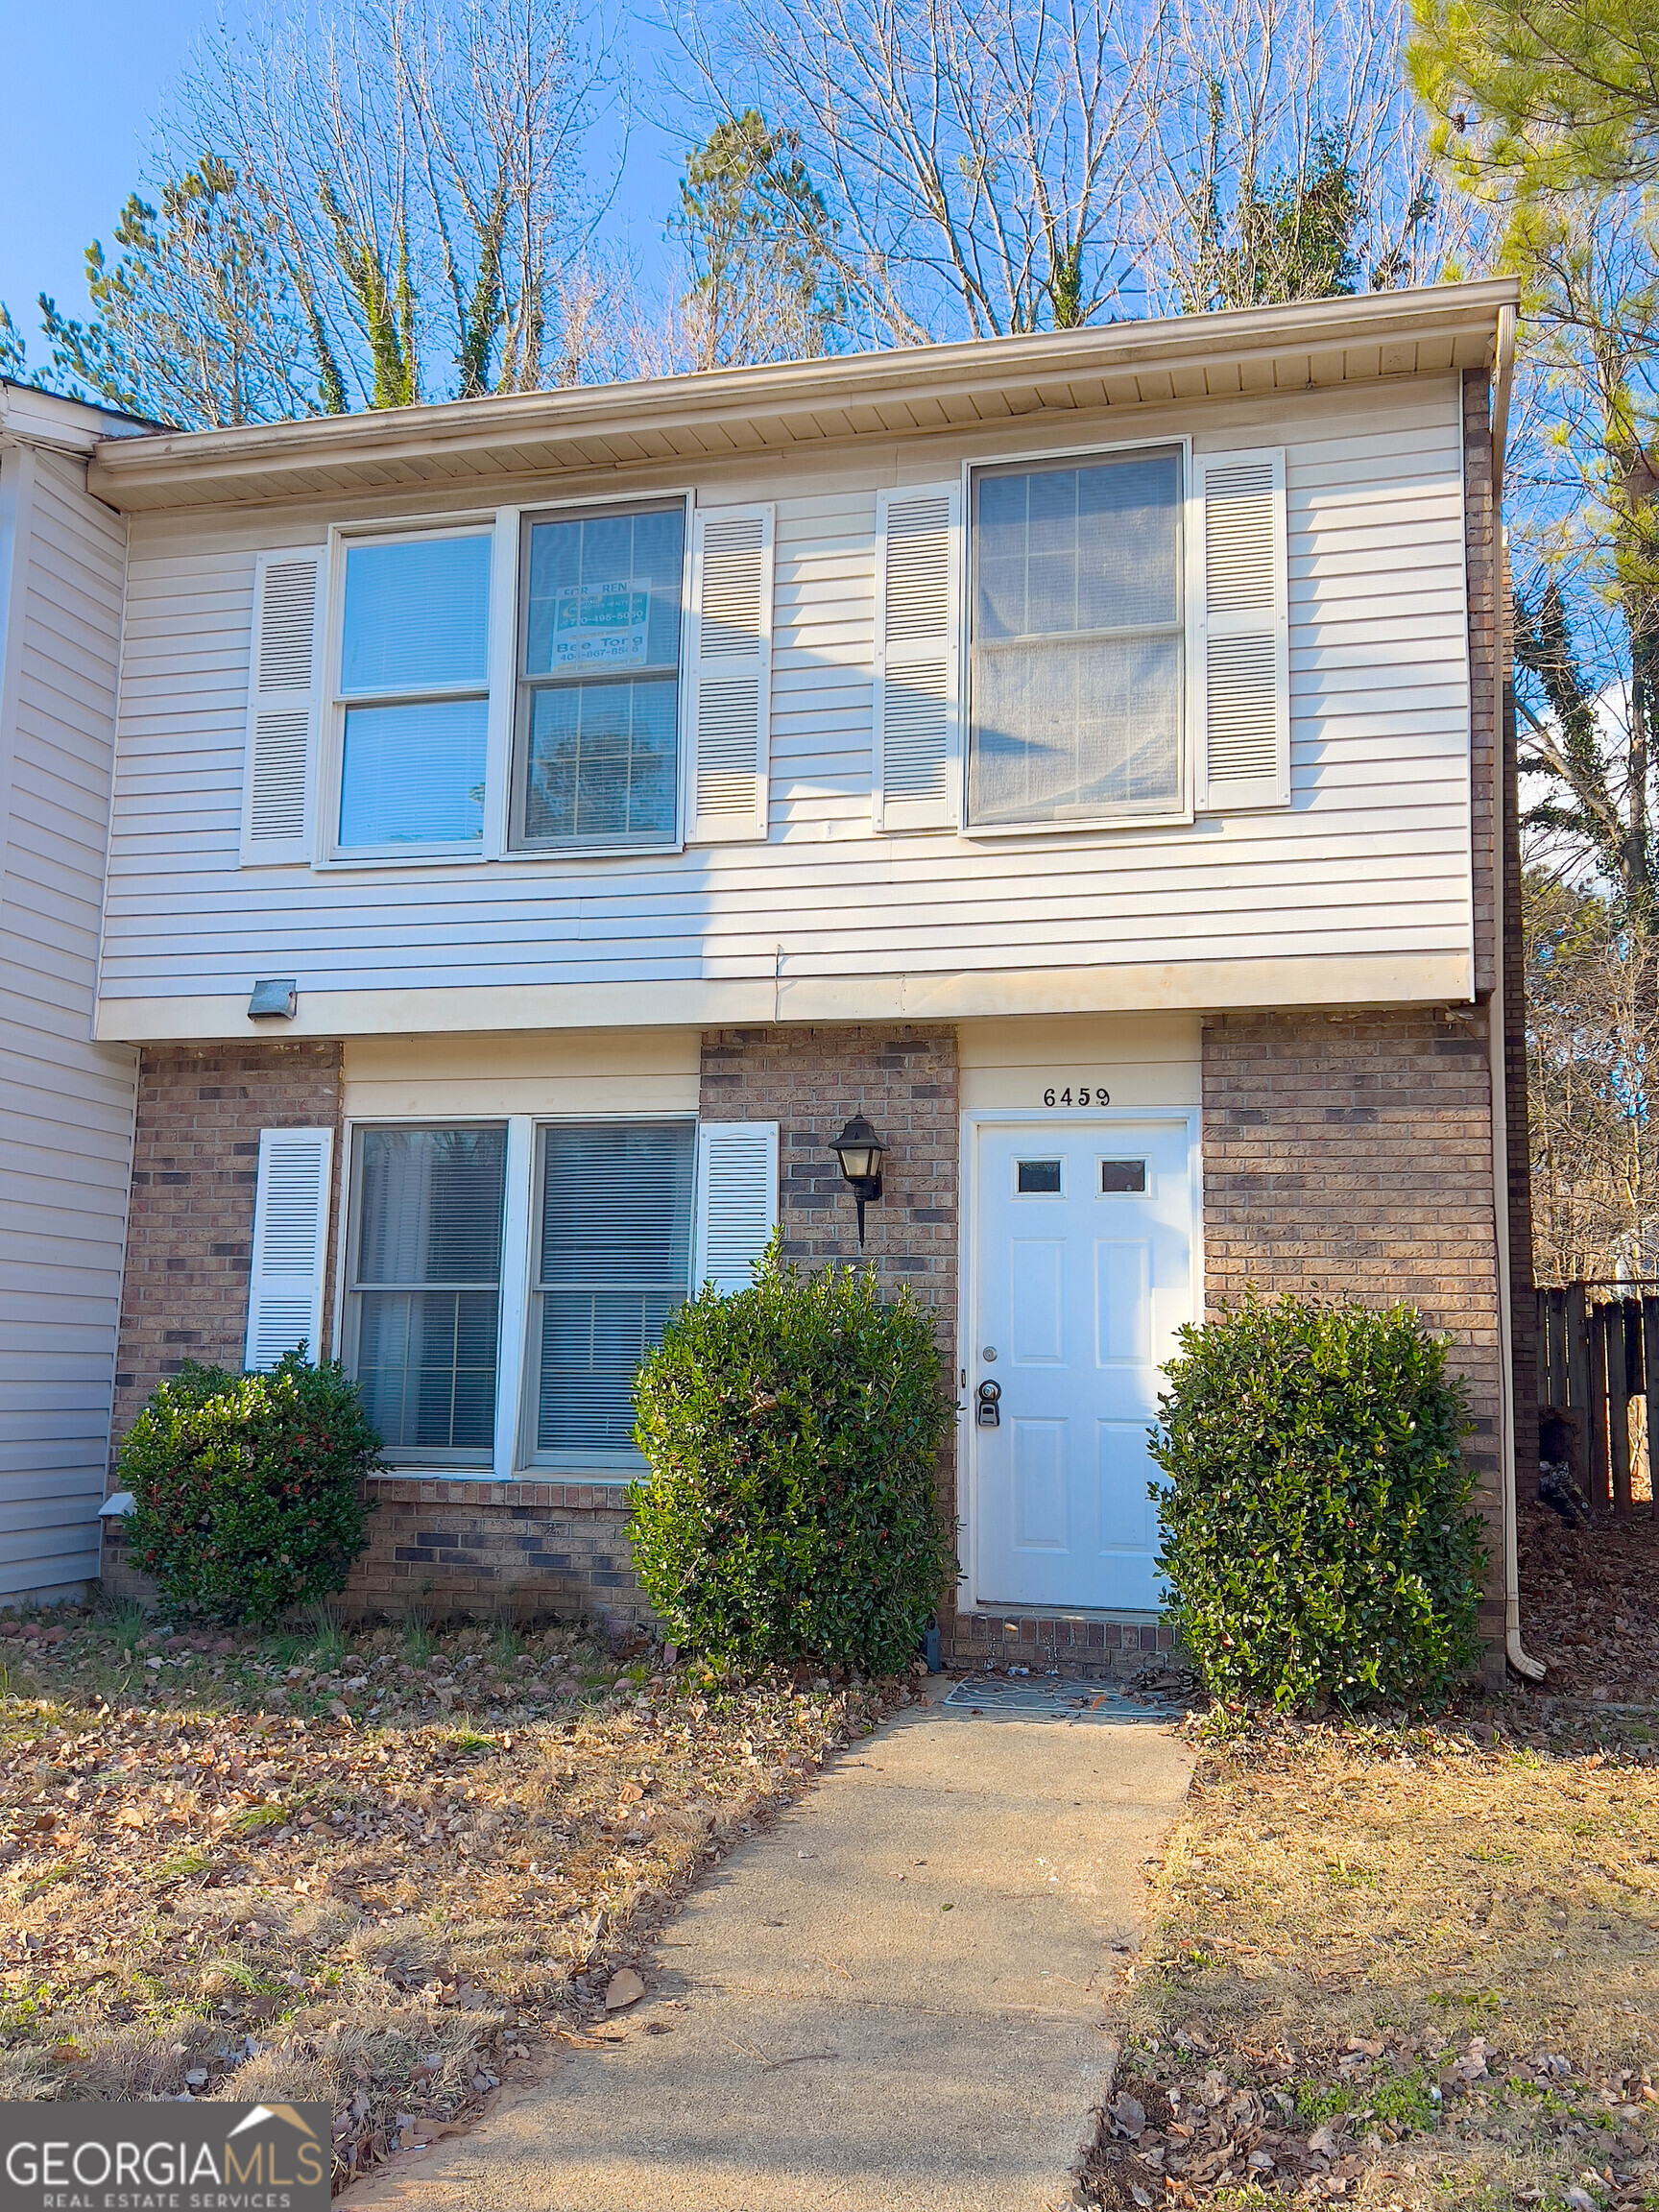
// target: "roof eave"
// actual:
[[776, 404]]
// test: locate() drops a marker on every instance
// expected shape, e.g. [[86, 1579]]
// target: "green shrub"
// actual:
[[249, 1488], [1316, 1534], [792, 1511]]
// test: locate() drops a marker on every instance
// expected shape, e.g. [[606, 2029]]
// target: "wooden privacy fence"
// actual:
[[1597, 1343]]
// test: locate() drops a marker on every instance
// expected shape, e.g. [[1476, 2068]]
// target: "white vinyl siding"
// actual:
[[736, 1200], [290, 1245], [1243, 648], [918, 656], [65, 1103], [279, 770], [1371, 859], [729, 706]]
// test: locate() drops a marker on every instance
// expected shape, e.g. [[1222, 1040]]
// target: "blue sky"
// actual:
[[77, 93], [78, 86]]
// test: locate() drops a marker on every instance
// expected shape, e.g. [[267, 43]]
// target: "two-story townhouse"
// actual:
[[543, 821], [65, 1102]]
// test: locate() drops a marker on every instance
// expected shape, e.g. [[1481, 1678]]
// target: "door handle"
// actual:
[[988, 1412]]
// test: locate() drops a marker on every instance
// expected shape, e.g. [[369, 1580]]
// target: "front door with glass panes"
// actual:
[[1082, 1273]]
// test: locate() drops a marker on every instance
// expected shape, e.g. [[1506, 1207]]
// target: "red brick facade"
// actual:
[[523, 1550], [195, 1162], [810, 1081], [1351, 1155]]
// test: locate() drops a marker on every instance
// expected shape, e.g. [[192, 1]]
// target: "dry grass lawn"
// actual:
[[381, 1870], [1401, 1966]]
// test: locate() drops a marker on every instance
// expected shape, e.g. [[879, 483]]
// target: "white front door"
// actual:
[[1082, 1272]]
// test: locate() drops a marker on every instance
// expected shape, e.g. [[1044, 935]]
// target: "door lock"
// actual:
[[989, 1415]]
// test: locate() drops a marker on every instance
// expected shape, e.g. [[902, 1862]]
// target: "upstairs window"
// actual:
[[414, 693], [598, 718], [1079, 641]]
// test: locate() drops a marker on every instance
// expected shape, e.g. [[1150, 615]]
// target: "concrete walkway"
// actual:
[[897, 2000]]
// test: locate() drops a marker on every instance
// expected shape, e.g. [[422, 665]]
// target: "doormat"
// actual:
[[992, 1698]]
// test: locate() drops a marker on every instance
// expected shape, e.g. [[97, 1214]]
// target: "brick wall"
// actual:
[[1352, 1154], [195, 1162], [529, 1547], [810, 1081], [525, 1548]]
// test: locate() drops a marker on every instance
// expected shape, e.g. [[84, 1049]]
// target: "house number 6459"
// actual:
[[1082, 1096]]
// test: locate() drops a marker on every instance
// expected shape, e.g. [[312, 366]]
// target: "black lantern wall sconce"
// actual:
[[860, 1151]]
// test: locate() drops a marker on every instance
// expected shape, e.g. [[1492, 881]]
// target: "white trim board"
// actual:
[[1136, 987]]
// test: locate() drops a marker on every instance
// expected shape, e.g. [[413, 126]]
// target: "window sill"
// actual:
[[523, 1478], [426, 856], [412, 857], [1117, 823]]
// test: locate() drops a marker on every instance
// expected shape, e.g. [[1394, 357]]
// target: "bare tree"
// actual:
[[419, 165], [1592, 1051], [974, 160], [1286, 159]]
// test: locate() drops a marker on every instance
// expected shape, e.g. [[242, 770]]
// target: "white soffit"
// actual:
[[788, 405]]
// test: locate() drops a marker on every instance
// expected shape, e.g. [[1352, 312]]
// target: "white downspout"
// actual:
[[1523, 1664]]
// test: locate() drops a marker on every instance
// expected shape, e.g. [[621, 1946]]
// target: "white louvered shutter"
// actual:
[[918, 656], [1244, 633], [731, 705], [283, 688], [736, 1200], [290, 1244]]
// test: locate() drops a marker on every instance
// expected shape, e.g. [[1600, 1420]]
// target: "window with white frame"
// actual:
[[1077, 644], [611, 1262], [424, 1259], [413, 694], [588, 1232], [598, 741]]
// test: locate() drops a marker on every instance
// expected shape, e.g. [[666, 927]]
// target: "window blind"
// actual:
[[427, 1285], [1079, 641], [613, 1262]]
